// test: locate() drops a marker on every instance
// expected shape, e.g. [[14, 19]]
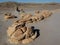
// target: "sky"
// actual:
[[30, 1]]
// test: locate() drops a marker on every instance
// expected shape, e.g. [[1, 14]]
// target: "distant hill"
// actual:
[[8, 5], [12, 4]]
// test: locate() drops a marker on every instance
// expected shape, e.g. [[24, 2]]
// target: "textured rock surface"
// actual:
[[19, 33], [9, 16]]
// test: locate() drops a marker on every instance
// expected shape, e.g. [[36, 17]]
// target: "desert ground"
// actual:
[[49, 28]]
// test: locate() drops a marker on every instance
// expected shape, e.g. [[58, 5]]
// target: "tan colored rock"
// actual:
[[29, 40], [18, 35], [34, 18], [10, 31], [18, 32], [24, 29], [20, 21], [29, 32], [26, 19], [14, 27], [29, 21], [37, 12], [40, 17], [22, 15], [9, 16], [25, 15], [46, 13], [13, 41]]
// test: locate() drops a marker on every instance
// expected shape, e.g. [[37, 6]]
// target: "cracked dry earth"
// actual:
[[19, 33]]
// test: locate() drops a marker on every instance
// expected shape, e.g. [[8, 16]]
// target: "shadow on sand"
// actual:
[[36, 30]]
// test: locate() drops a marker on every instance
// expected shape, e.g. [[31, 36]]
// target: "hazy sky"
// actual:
[[36, 1]]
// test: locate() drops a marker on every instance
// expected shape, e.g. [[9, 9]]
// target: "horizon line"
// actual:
[[29, 2]]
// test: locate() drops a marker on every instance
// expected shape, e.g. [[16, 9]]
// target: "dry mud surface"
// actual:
[[49, 28]]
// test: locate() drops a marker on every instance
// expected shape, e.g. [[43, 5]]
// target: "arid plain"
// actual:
[[49, 28]]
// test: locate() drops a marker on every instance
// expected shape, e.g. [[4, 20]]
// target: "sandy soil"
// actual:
[[49, 27]]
